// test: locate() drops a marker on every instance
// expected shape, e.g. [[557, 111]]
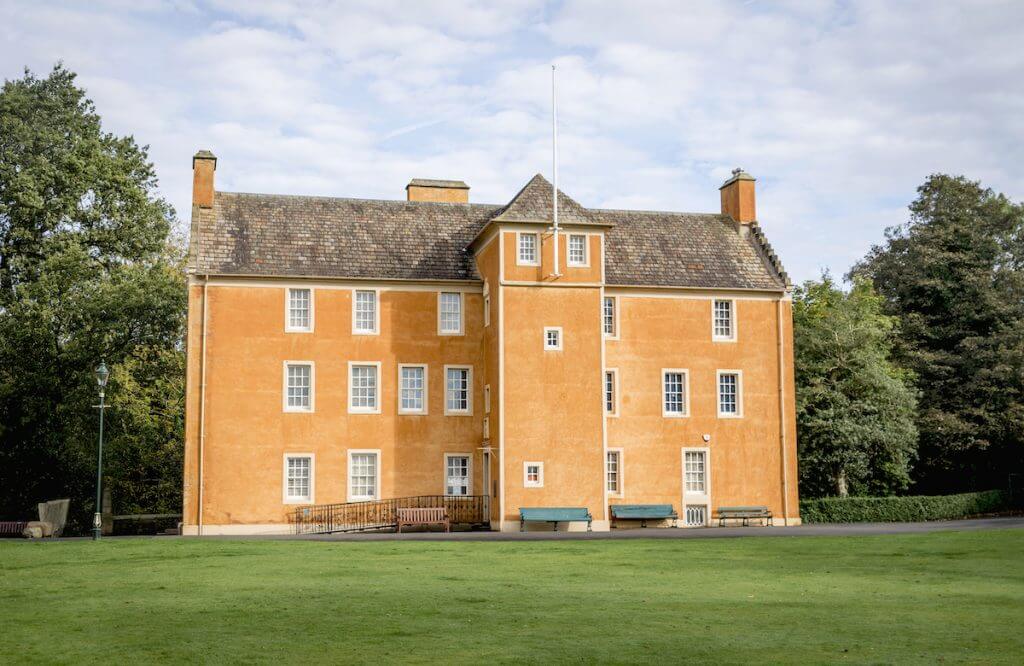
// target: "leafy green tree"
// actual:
[[954, 275], [855, 409], [88, 271]]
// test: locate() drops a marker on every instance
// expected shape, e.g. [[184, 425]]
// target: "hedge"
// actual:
[[904, 509]]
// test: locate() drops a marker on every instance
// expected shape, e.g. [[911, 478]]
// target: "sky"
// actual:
[[839, 109]]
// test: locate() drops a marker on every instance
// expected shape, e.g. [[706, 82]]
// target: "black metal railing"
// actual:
[[383, 514]]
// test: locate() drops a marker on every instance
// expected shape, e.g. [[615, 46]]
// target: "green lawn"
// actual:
[[955, 597]]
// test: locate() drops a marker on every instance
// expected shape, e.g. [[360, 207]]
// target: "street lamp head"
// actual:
[[101, 375]]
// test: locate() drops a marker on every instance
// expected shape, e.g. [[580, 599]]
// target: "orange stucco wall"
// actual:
[[657, 333], [546, 406], [543, 272], [248, 432], [553, 399]]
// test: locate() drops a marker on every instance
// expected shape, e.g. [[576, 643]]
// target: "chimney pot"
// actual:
[[443, 191], [204, 163], [738, 200]]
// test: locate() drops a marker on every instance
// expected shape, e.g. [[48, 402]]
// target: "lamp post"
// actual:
[[97, 520]]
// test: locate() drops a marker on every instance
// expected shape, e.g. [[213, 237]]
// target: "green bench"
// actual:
[[553, 515], [744, 513], [644, 512]]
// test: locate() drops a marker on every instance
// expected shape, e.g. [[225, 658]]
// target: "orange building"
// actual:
[[351, 350]]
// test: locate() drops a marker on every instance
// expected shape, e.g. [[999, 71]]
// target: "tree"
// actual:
[[88, 271], [954, 275], [855, 409]]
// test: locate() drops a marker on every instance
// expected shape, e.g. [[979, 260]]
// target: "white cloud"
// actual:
[[840, 109]]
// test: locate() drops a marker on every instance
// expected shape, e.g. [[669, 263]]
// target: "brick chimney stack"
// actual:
[[443, 191], [738, 197], [204, 163]]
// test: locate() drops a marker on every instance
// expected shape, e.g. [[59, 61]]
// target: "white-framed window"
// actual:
[[723, 320], [695, 471], [487, 304], [527, 250], [412, 388], [613, 471], [675, 394], [363, 474], [611, 392], [609, 320], [487, 428], [730, 393], [487, 398], [553, 338], [577, 251], [364, 387], [449, 313], [458, 389], [299, 382], [457, 474], [533, 475], [298, 478], [365, 312], [298, 316]]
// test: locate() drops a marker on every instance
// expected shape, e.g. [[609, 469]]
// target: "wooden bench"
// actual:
[[744, 513], [644, 512], [554, 515], [433, 516]]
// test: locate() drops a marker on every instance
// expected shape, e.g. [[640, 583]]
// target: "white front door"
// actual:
[[696, 487]]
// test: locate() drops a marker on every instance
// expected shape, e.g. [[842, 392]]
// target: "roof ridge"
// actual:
[[653, 212], [263, 195]]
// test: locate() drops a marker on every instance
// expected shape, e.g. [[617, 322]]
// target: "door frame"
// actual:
[[696, 499]]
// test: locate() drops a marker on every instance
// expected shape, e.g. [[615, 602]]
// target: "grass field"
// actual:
[[954, 597]]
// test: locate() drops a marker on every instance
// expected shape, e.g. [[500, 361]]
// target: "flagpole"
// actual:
[[554, 166]]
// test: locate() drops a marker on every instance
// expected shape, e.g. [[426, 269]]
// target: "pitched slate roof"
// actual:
[[533, 204], [301, 236]]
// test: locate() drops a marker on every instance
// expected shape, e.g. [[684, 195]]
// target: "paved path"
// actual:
[[846, 529]]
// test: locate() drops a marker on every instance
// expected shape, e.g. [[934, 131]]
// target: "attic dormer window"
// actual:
[[528, 249]]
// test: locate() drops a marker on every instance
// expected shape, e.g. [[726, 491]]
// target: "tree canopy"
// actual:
[[855, 408], [954, 276], [89, 270]]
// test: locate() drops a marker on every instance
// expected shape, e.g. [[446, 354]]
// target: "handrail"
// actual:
[[383, 513]]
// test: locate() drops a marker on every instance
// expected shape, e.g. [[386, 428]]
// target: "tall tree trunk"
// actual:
[[841, 483]]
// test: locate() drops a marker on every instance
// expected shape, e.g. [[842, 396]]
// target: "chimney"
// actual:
[[204, 163], [443, 191], [738, 197]]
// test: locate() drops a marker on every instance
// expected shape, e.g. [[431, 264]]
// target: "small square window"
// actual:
[[533, 475], [553, 338], [577, 250], [527, 254]]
